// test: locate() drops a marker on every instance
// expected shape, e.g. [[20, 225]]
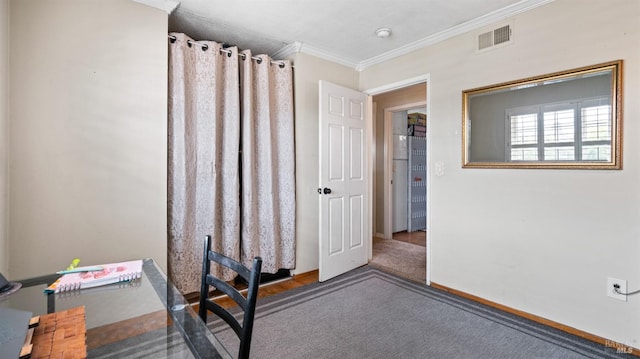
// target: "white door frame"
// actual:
[[388, 163], [426, 79]]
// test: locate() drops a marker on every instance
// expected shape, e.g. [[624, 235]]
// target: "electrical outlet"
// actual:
[[622, 287]]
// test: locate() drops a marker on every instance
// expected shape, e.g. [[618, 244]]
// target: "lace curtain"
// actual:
[[231, 159]]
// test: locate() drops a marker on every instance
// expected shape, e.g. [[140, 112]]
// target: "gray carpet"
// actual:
[[368, 313]]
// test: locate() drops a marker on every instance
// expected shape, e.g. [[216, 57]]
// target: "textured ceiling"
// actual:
[[343, 30]]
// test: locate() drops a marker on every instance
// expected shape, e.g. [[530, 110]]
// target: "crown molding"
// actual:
[[298, 46], [498, 15], [323, 54], [287, 51], [488, 19], [165, 5]]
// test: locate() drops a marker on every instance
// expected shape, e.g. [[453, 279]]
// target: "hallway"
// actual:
[[405, 255]]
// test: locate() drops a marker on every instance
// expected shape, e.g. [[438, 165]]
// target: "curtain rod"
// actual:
[[205, 47]]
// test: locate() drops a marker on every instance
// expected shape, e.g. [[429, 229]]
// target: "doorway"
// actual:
[[398, 246], [406, 163]]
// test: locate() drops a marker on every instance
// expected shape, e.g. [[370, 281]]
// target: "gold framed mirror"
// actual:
[[568, 119]]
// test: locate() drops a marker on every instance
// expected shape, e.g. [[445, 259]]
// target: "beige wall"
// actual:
[[4, 112], [88, 133], [407, 95], [541, 241], [309, 70]]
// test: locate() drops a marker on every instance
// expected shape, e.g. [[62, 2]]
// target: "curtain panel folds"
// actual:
[[231, 159]]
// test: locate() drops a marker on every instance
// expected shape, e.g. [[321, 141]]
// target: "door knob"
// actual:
[[326, 190]]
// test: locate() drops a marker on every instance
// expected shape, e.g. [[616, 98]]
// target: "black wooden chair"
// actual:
[[247, 304]]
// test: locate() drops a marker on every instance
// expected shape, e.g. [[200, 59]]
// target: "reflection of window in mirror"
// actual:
[[570, 119], [572, 131]]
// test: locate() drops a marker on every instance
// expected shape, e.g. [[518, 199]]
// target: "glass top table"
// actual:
[[147, 317]]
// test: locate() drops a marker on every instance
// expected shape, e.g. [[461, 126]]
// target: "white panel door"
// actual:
[[343, 186]]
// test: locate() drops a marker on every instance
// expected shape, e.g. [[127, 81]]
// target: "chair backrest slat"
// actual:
[[247, 304], [235, 266], [227, 289]]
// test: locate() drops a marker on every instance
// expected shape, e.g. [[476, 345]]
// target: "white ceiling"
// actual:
[[339, 30]]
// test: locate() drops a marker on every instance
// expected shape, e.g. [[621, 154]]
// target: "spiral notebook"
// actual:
[[111, 273]]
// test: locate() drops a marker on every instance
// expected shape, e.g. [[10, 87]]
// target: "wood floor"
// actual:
[[268, 289], [418, 237]]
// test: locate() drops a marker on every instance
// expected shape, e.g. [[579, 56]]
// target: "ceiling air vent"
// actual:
[[498, 36]]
